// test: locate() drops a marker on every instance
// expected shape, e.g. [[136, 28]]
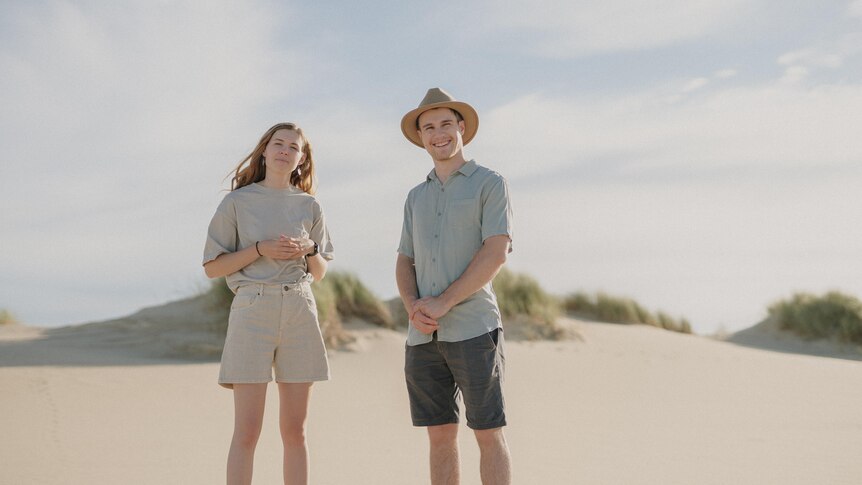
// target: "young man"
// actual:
[[457, 234]]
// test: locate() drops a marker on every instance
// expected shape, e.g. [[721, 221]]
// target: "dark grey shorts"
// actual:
[[437, 372]]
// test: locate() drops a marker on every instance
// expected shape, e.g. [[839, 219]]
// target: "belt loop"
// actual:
[[260, 289]]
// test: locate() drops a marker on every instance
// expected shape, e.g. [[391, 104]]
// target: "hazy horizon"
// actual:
[[700, 157]]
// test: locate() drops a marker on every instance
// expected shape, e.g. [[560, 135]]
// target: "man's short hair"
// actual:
[[457, 116]]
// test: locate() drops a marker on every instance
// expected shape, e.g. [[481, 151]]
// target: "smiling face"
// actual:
[[284, 152], [440, 132]]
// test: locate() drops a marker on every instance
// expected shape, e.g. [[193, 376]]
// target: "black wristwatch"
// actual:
[[313, 253]]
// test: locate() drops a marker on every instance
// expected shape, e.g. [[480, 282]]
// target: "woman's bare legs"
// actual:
[[293, 409], [249, 401]]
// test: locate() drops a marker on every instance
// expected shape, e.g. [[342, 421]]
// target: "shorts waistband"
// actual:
[[277, 288]]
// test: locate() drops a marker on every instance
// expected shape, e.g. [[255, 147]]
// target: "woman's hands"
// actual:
[[286, 247], [281, 248]]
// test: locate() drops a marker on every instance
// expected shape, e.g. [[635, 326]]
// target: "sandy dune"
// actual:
[[768, 335], [106, 404]]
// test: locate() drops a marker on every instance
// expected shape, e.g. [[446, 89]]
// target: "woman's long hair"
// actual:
[[252, 168]]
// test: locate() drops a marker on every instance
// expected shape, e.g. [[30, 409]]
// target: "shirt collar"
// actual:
[[466, 170]]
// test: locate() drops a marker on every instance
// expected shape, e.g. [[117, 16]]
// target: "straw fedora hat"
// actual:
[[437, 98]]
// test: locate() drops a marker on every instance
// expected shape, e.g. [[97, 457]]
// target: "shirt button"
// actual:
[[439, 213], [435, 236], [286, 288], [433, 260], [434, 284]]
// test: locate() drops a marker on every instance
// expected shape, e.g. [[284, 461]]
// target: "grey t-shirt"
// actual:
[[257, 213], [445, 225]]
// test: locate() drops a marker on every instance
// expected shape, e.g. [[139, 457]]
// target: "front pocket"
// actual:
[[463, 212], [490, 341], [243, 301]]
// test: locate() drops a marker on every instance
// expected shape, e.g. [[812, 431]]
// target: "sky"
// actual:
[[700, 156]]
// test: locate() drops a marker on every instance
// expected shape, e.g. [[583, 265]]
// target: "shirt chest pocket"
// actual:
[[463, 212]]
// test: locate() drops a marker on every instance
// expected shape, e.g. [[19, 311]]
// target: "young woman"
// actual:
[[269, 238]]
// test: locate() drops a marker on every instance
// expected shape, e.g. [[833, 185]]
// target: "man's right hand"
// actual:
[[423, 323]]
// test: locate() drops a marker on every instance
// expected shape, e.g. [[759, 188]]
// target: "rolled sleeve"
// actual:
[[405, 247], [320, 234], [497, 212], [222, 232]]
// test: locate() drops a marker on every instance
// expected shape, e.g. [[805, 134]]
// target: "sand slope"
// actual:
[[768, 335], [626, 405]]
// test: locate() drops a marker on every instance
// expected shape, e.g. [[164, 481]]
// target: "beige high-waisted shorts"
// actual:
[[273, 327]]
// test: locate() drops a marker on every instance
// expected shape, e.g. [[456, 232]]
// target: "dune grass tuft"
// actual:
[[354, 299], [612, 309], [833, 315], [6, 317], [528, 311], [334, 334], [220, 296], [399, 314]]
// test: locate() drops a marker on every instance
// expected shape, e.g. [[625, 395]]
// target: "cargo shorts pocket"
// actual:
[[241, 302]]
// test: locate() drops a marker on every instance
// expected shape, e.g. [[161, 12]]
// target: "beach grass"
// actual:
[[833, 315], [352, 299], [6, 317], [614, 309], [528, 311], [220, 296], [326, 298]]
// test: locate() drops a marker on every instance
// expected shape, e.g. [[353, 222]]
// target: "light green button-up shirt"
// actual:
[[444, 227]]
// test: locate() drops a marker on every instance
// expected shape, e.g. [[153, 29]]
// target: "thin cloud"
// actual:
[[811, 57], [830, 55], [794, 74], [559, 28], [725, 73], [695, 84], [772, 125]]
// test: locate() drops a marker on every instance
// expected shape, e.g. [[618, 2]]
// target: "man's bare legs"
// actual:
[[293, 409], [249, 401], [495, 463], [445, 463]]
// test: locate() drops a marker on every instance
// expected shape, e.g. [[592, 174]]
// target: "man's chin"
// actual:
[[443, 157]]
